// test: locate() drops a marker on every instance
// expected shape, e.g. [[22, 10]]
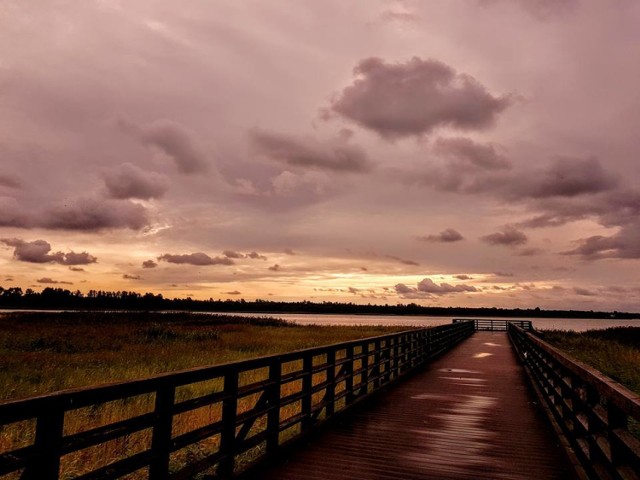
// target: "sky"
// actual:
[[447, 153]]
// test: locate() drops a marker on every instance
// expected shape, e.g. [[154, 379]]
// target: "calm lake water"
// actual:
[[576, 324]]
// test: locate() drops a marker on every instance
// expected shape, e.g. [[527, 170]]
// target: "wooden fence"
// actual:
[[487, 324], [253, 408], [599, 418]]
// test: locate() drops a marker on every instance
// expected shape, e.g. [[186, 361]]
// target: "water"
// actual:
[[576, 324], [411, 321]]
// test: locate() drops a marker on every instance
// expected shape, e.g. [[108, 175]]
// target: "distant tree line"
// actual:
[[63, 299]]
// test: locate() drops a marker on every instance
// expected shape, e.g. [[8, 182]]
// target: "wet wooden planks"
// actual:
[[470, 415]]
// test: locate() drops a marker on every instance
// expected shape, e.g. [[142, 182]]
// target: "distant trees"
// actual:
[[64, 299]]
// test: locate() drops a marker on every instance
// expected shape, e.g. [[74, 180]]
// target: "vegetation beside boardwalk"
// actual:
[[48, 351], [613, 351]]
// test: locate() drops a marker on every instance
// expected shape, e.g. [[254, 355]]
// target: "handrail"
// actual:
[[489, 324], [262, 403], [593, 412]]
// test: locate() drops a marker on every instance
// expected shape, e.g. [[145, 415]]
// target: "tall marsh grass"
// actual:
[[45, 352]]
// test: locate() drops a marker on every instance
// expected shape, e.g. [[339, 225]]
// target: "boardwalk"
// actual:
[[468, 416]]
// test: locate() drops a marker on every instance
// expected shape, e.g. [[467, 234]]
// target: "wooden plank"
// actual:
[[469, 415]]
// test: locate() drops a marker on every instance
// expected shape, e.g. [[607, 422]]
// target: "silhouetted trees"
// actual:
[[64, 299]]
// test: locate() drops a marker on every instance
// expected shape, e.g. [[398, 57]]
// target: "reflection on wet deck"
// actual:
[[468, 416]]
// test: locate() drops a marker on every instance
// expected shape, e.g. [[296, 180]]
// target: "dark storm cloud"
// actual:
[[446, 236], [128, 181], [584, 292], [623, 244], [149, 264], [413, 98], [337, 155], [51, 281], [177, 142], [509, 236], [94, 214], [465, 151], [232, 254], [38, 251], [567, 177], [9, 182], [198, 258], [541, 9], [401, 260]]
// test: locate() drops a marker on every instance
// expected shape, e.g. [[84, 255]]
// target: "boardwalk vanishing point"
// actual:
[[468, 415]]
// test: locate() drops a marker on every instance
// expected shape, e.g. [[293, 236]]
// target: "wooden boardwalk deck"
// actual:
[[470, 415]]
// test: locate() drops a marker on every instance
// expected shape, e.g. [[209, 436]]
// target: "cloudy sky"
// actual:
[[451, 152]]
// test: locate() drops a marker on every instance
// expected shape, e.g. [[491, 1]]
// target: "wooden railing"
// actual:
[[599, 418], [252, 408], [487, 324]]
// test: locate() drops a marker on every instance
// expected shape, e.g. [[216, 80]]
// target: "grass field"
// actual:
[[613, 351], [46, 352]]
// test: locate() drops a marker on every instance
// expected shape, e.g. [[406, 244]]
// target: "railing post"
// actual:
[[307, 383], [161, 437], [273, 400], [228, 433], [396, 359], [616, 419], [364, 376], [47, 445], [387, 359], [348, 382], [330, 394], [376, 364]]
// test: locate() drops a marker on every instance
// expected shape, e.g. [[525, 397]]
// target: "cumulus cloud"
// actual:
[[288, 251], [127, 276], [234, 292], [255, 256], [178, 143], [463, 277], [465, 152], [77, 269], [38, 251], [413, 98], [149, 264], [51, 281], [448, 235], [337, 155], [274, 268], [509, 236], [198, 258], [128, 181], [623, 244], [427, 288], [584, 292]]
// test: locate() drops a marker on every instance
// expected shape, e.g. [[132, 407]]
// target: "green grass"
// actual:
[[614, 351]]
